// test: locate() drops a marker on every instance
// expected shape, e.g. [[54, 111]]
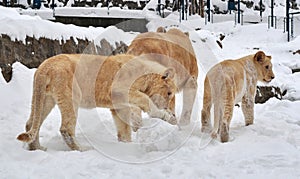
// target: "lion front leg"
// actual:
[[136, 118], [122, 121], [248, 110], [189, 95], [145, 103]]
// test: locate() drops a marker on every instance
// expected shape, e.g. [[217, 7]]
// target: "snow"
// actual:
[[268, 149], [112, 12], [34, 26]]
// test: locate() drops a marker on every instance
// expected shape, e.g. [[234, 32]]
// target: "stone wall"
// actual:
[[34, 51]]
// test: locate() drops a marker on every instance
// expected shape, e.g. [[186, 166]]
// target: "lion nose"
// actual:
[[272, 77]]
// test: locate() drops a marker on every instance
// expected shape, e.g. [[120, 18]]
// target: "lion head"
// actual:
[[163, 89], [264, 67]]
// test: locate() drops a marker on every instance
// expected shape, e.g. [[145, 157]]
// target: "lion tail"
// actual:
[[38, 98]]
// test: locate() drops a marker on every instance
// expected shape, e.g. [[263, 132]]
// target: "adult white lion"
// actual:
[[124, 83], [177, 46]]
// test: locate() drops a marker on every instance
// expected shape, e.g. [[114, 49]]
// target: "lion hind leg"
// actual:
[[121, 119], [33, 141], [205, 112], [48, 106], [69, 112], [217, 119], [227, 116]]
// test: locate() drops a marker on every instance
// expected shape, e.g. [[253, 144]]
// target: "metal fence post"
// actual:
[[288, 19]]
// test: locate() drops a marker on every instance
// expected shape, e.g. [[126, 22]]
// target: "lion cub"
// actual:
[[228, 83], [124, 83]]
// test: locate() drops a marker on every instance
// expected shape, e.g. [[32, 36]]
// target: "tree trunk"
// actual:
[[201, 6]]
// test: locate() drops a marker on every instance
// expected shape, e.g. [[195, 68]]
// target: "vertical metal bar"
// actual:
[[179, 9], [242, 19], [208, 10], [234, 18], [239, 11], [158, 7], [260, 10], [292, 26], [182, 9], [205, 17], [272, 13], [284, 25], [288, 19], [108, 6], [186, 8], [193, 7]]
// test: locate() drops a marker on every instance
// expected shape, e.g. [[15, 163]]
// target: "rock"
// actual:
[[295, 70], [257, 7], [105, 48], [121, 48], [264, 93], [6, 71], [219, 43], [249, 4], [296, 52]]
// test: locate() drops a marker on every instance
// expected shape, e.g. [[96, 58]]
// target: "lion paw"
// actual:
[[124, 138], [214, 135], [247, 123], [36, 147], [170, 117], [136, 125], [224, 132], [135, 128]]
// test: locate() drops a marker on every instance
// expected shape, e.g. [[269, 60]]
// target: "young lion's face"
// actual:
[[265, 72], [162, 92]]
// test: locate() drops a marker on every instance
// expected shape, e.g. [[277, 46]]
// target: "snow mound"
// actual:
[[157, 135]]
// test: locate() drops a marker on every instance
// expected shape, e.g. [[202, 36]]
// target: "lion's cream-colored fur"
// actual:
[[177, 47], [124, 83], [228, 83]]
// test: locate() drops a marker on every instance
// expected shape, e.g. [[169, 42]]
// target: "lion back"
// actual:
[[174, 44]]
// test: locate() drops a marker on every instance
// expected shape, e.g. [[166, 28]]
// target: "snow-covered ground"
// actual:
[[268, 149]]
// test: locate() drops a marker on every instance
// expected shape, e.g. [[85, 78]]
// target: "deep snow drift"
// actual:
[[268, 149]]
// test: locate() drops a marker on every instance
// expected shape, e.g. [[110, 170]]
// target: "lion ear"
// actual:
[[169, 73], [260, 56], [161, 30], [187, 34]]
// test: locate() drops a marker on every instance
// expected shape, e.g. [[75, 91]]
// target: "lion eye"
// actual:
[[169, 93], [267, 67]]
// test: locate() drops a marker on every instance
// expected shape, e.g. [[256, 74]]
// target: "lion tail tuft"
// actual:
[[26, 137]]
